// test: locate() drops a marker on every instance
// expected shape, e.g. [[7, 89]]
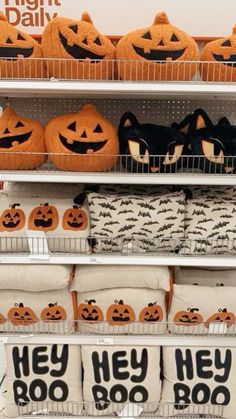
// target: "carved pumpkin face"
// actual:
[[53, 312], [20, 135], [17, 52], [152, 313], [88, 141], [157, 52], [222, 53], [12, 219], [20, 315], [223, 316], [75, 219], [90, 312], [188, 318], [83, 49], [120, 314], [44, 218]]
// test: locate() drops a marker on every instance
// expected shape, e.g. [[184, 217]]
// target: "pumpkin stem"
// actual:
[[192, 309], [88, 107], [45, 205], [86, 18], [13, 206], [222, 310], [121, 302], [234, 30], [91, 301], [161, 18], [75, 207], [51, 305], [3, 17], [21, 305]]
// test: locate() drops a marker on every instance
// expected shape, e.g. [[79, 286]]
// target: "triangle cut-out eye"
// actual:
[[72, 126], [174, 38], [97, 41], [74, 28], [20, 37], [147, 35], [98, 128], [19, 124], [226, 43]]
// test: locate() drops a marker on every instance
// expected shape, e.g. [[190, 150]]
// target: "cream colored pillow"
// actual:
[[201, 309], [35, 277], [205, 277], [48, 374], [117, 375], [122, 310], [88, 278], [203, 377]]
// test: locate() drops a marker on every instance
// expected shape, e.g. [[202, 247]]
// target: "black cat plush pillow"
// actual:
[[149, 147], [216, 144]]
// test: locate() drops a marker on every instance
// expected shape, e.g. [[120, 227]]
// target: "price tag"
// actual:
[[40, 412], [104, 341], [130, 410], [38, 244], [217, 328], [95, 260]]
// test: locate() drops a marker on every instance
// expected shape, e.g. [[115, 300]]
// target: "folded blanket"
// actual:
[[94, 278]]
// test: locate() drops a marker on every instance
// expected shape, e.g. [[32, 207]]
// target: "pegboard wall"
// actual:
[[164, 111]]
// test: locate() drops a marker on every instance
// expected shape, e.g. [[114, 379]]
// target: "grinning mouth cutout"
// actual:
[[53, 319], [43, 223], [90, 318], [81, 147], [9, 53], [11, 224], [220, 58], [152, 319], [78, 52], [188, 321], [7, 142], [159, 54], [74, 224], [120, 319]]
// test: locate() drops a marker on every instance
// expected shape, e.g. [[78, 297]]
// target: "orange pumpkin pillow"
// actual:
[[82, 52], [86, 141], [19, 53], [222, 53], [21, 142], [157, 52]]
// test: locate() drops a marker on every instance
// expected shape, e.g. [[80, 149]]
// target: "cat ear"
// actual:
[[224, 122], [200, 120], [128, 119], [183, 126]]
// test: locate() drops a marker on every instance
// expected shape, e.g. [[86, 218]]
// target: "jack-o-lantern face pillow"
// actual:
[[12, 219], [221, 57], [21, 142], [158, 52], [82, 52], [84, 141], [19, 53]]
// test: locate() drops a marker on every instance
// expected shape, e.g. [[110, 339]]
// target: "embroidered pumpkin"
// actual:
[[120, 313], [223, 316], [90, 312], [2, 319], [23, 136], [190, 317], [87, 140], [21, 315], [157, 52], [19, 53], [12, 219], [151, 313], [222, 56], [43, 218], [84, 52], [75, 219], [53, 312]]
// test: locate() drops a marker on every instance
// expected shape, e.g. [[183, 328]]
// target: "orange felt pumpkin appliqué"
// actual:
[[151, 313], [12, 219], [19, 53], [81, 51], [221, 55], [90, 312], [120, 313], [223, 316], [53, 312], [2, 319], [75, 219], [86, 140], [157, 52], [21, 142], [21, 315], [191, 317], [44, 218]]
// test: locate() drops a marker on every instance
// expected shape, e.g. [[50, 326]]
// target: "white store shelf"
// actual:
[[116, 89]]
